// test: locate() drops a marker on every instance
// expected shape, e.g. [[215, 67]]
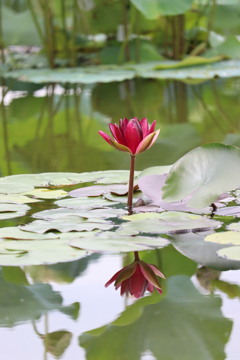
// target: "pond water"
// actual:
[[47, 310]]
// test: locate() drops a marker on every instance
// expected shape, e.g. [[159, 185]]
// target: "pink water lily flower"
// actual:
[[133, 136], [136, 278]]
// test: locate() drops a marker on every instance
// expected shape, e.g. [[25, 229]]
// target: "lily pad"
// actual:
[[89, 75], [37, 252], [15, 233], [230, 253], [234, 226], [155, 170], [224, 237], [8, 211], [16, 199], [204, 173], [14, 188], [97, 190], [168, 222], [193, 246], [47, 193], [59, 213], [86, 203], [65, 224], [151, 186], [115, 242]]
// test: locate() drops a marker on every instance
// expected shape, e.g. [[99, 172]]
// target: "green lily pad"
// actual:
[[37, 252], [222, 69], [86, 203], [98, 214], [202, 252], [115, 242], [16, 199], [8, 211], [234, 226], [47, 193], [204, 173], [156, 170], [97, 190], [89, 75], [15, 233], [230, 253], [224, 237], [14, 188], [65, 224], [168, 222]]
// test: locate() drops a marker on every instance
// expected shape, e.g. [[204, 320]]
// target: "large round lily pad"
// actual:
[[204, 173]]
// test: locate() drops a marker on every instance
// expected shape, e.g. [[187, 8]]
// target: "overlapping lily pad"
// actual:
[[8, 211], [94, 218], [204, 174], [168, 222], [102, 213], [66, 224]]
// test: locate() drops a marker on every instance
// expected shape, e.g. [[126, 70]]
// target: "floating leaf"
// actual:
[[115, 242], [224, 237], [228, 211], [205, 173], [97, 190], [230, 253], [65, 224], [59, 213], [18, 234], [16, 199], [168, 222], [223, 69], [14, 187], [88, 75], [234, 226], [202, 252], [85, 203], [151, 186], [47, 194], [37, 252], [8, 211], [155, 170]]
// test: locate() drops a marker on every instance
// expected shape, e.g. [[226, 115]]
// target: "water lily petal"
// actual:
[[123, 124], [152, 127], [117, 133], [137, 283], [113, 278], [156, 271], [125, 273], [149, 274], [147, 142], [133, 135], [145, 127]]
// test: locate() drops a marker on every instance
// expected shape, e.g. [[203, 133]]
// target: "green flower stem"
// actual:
[[131, 184]]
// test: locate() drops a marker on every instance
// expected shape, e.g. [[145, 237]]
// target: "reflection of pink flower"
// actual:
[[136, 278], [133, 136]]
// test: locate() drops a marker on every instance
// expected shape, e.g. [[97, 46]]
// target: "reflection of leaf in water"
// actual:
[[184, 322], [20, 303], [57, 342]]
